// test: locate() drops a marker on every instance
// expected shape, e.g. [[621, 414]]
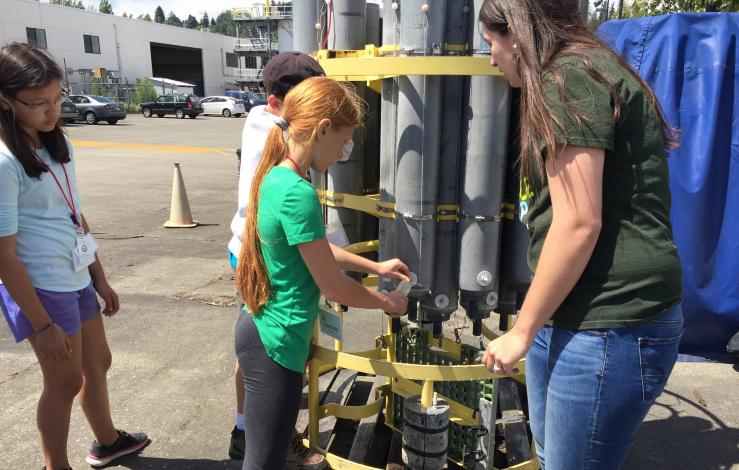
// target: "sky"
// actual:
[[181, 8]]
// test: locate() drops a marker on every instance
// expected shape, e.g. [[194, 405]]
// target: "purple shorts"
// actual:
[[66, 309]]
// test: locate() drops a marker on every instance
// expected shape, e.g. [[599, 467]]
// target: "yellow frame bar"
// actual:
[[458, 413], [313, 394], [372, 205], [363, 247], [382, 367], [354, 69], [367, 204], [355, 412], [389, 357], [339, 343]]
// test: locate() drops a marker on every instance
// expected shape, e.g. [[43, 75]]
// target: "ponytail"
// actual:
[[304, 106], [251, 275]]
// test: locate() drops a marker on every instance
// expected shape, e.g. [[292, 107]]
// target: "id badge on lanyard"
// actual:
[[83, 253]]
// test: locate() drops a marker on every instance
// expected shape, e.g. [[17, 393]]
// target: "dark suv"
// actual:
[[179, 105]]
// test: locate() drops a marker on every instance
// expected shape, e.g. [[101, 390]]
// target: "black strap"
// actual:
[[425, 430], [424, 454]]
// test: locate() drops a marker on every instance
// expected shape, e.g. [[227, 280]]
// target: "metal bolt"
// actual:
[[484, 278], [441, 301], [492, 299]]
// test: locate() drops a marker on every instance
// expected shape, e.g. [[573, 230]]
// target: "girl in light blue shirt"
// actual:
[[49, 270]]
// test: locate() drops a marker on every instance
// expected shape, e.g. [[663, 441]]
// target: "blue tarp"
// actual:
[[691, 60]]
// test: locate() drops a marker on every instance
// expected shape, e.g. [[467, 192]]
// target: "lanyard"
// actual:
[[70, 200], [297, 167]]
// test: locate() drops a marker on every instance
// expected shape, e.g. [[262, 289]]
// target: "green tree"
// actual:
[[159, 15], [205, 21], [212, 23], [96, 87], [659, 7], [105, 7], [173, 20], [224, 24], [144, 91], [145, 17], [191, 22], [69, 3]]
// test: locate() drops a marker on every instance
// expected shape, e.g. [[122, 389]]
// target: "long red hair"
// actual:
[[305, 105]]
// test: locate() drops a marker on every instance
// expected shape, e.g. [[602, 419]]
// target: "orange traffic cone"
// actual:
[[179, 213]]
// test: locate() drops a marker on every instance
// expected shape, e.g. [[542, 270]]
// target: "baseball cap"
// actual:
[[287, 69]]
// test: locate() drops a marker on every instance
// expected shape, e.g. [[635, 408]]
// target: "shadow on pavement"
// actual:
[[684, 442], [142, 462]]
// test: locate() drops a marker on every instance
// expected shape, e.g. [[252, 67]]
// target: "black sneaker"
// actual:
[[126, 444], [238, 444]]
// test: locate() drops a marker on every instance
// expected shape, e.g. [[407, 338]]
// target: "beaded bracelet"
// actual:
[[48, 325]]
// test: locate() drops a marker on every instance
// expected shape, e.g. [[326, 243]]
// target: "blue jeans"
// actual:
[[589, 390]]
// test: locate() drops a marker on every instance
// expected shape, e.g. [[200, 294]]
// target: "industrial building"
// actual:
[[88, 44], [268, 30]]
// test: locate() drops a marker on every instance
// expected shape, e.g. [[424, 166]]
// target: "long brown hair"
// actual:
[[304, 106], [21, 67], [546, 30]]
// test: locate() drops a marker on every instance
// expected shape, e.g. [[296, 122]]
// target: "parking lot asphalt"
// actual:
[[172, 341]]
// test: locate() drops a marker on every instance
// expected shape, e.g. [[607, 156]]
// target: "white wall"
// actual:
[[66, 26]]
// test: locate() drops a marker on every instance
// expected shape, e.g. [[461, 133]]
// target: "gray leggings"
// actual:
[[272, 401]]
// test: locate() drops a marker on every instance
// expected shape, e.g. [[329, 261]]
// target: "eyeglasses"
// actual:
[[43, 106]]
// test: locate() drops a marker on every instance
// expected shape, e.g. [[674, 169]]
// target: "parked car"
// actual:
[[254, 100], [179, 105], [69, 111], [223, 105], [249, 98], [93, 108]]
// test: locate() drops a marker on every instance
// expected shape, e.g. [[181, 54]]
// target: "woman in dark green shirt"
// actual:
[[601, 322]]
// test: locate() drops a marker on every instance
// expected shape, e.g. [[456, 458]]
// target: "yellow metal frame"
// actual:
[[401, 377], [354, 69], [372, 205], [389, 62], [372, 366], [367, 204], [352, 66]]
